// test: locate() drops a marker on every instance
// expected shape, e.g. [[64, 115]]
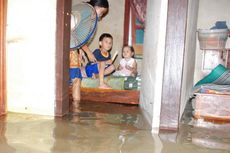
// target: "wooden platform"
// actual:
[[212, 107], [110, 95]]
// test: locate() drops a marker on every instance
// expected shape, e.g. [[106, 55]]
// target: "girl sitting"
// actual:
[[127, 65]]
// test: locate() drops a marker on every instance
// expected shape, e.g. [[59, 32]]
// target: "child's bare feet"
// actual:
[[104, 86]]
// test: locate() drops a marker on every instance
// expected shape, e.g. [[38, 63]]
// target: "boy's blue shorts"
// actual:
[[91, 68], [74, 73]]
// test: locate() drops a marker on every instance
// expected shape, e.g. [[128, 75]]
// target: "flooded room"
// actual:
[[114, 76]]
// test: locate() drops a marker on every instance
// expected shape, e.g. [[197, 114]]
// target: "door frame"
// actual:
[[173, 64], [62, 57], [173, 61], [3, 11]]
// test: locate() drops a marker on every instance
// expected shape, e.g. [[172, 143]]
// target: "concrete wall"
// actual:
[[190, 52], [31, 31], [210, 11], [152, 66]]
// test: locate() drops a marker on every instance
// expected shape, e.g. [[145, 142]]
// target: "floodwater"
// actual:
[[107, 128]]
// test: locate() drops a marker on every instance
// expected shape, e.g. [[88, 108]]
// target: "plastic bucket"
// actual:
[[212, 39]]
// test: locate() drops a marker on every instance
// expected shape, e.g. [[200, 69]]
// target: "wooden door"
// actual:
[[3, 4]]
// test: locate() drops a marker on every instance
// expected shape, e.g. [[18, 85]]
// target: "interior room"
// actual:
[[19, 87], [34, 89], [132, 34], [35, 46]]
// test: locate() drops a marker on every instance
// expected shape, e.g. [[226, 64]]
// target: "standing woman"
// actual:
[[101, 7]]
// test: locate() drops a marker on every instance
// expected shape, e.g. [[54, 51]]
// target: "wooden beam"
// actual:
[[133, 25], [228, 58], [62, 56], [173, 66], [126, 22], [3, 7]]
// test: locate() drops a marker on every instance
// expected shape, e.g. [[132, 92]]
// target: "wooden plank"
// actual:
[[228, 58], [133, 25], [126, 22], [3, 8], [110, 95]]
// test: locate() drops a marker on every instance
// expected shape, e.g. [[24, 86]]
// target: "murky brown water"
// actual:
[[106, 128]]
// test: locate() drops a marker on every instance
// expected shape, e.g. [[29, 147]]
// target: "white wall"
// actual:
[[31, 30], [210, 11], [152, 66], [190, 53]]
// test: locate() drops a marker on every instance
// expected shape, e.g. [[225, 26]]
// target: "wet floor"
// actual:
[[107, 128]]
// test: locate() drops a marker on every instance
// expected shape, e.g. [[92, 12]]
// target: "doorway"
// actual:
[[124, 95]]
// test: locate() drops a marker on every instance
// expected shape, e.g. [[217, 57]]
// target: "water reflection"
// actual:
[[213, 135], [107, 128], [28, 133], [4, 146], [94, 130], [193, 138]]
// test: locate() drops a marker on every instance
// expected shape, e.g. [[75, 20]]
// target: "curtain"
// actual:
[[139, 8]]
